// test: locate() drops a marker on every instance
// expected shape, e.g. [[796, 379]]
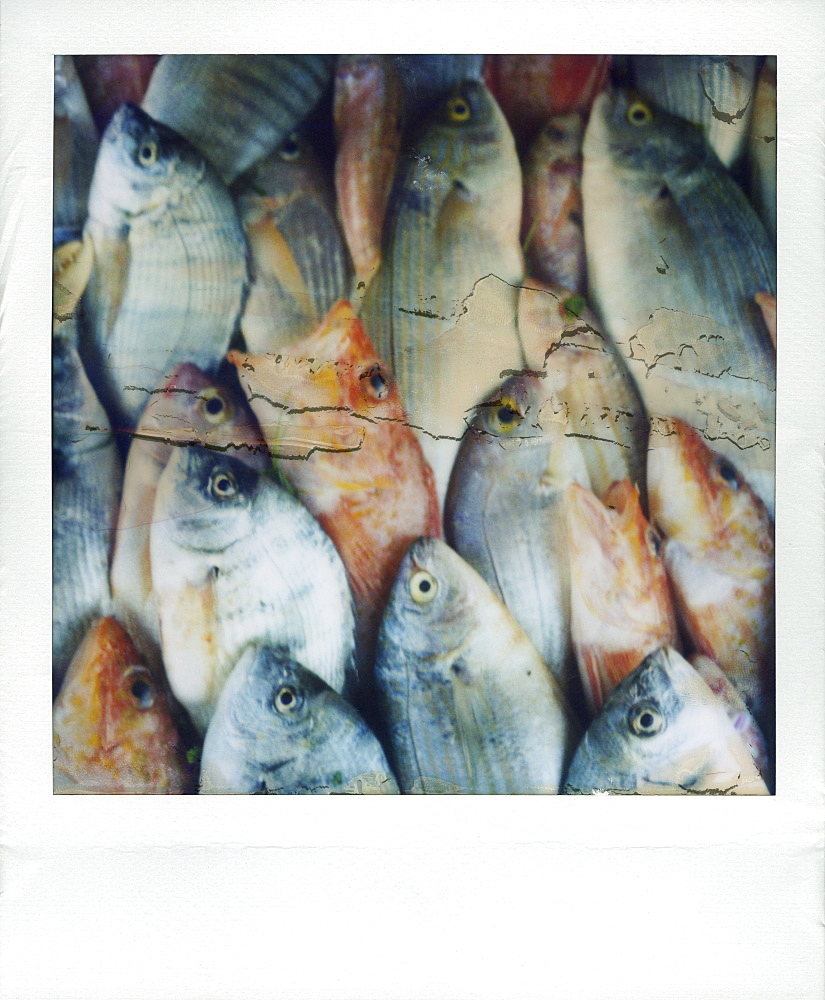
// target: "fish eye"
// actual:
[[287, 700], [728, 474], [376, 383], [148, 153], [504, 415], [423, 586], [290, 149], [639, 113], [646, 720], [458, 110], [222, 485], [213, 407], [141, 688], [654, 542]]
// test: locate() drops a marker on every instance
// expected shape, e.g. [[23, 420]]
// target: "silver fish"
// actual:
[[236, 559], [170, 263], [675, 255], [236, 108], [75, 149], [467, 702], [663, 731], [279, 728]]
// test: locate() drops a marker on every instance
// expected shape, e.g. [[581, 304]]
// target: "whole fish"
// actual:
[[279, 728], [368, 110], [372, 498], [86, 473], [236, 108], [504, 515], [170, 263], [299, 261], [467, 702], [621, 606], [75, 149], [552, 220], [113, 721], [236, 559], [190, 409], [675, 255], [663, 731], [428, 79], [719, 555], [453, 221], [110, 80], [762, 147]]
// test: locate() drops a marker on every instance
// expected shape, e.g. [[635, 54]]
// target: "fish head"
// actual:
[[142, 166], [292, 170], [559, 144]]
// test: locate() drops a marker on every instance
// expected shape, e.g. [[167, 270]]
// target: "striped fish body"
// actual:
[[235, 559], [75, 148], [468, 704], [170, 263], [236, 109], [299, 260], [675, 255]]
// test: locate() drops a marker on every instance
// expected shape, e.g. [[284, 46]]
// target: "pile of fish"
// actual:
[[414, 424]]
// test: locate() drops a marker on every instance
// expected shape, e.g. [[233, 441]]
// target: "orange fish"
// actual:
[[719, 556], [333, 403], [113, 725], [620, 602]]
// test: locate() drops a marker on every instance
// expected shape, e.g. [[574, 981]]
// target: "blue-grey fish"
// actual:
[[75, 149], [467, 702], [428, 79], [170, 263], [663, 731], [279, 728]]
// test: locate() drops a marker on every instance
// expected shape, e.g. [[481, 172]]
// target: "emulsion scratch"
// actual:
[[723, 116]]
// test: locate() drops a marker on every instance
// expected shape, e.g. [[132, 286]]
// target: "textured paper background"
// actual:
[[601, 898]]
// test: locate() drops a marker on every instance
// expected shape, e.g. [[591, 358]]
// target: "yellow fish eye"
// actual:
[[287, 700], [458, 110], [213, 406], [646, 720], [504, 416], [639, 113], [148, 153], [423, 586], [222, 485]]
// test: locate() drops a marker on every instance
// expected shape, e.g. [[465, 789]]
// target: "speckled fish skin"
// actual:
[[714, 92], [87, 473], [454, 219], [467, 702], [719, 554], [368, 112], [504, 515], [75, 149], [372, 499], [170, 263], [675, 255], [114, 728], [299, 260], [191, 409], [236, 108], [620, 600], [235, 559], [280, 729], [762, 147], [110, 80], [427, 79], [663, 731], [552, 220]]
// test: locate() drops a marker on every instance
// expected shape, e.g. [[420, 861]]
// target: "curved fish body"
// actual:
[[279, 729], [504, 515], [429, 79], [468, 704], [675, 255], [236, 109], [719, 554], [368, 111], [713, 92], [109, 81], [113, 721], [75, 149], [453, 221], [552, 222], [363, 475], [192, 409], [621, 606], [762, 147], [299, 260], [236, 559], [662, 731], [170, 263], [87, 474]]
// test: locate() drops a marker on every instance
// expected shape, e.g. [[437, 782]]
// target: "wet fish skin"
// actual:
[[466, 700], [113, 721], [663, 731], [427, 79], [75, 148], [278, 728], [170, 263], [236, 559]]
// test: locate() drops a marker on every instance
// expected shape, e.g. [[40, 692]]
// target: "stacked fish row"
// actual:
[[353, 492]]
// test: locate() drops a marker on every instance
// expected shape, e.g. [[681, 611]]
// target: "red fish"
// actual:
[[109, 81]]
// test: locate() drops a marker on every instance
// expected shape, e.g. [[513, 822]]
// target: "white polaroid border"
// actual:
[[439, 897]]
